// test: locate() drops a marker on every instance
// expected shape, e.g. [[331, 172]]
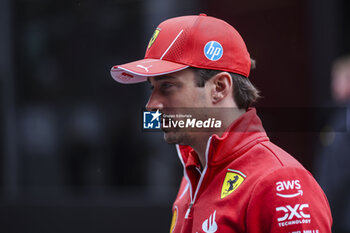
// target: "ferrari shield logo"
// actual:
[[232, 181], [153, 38]]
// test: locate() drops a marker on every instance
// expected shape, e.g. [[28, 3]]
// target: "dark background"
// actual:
[[73, 156]]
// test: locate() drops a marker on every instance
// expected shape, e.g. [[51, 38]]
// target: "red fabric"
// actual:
[[277, 194], [196, 40], [197, 31]]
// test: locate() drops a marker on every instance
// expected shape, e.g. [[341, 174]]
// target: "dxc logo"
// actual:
[[290, 212], [213, 50]]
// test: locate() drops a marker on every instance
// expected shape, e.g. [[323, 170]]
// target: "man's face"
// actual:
[[177, 93]]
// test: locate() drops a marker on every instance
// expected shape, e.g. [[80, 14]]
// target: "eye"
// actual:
[[166, 85]]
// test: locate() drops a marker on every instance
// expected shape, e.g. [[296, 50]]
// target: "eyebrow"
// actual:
[[161, 77]]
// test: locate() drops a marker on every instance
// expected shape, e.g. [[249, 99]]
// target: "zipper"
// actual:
[[188, 210], [193, 199]]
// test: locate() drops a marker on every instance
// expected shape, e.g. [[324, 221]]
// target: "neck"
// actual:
[[200, 139]]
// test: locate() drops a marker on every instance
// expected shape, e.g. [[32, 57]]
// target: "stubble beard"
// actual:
[[176, 138]]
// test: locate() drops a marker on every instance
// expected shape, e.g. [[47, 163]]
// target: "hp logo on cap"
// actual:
[[213, 50]]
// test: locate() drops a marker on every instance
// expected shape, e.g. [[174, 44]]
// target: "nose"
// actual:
[[154, 103]]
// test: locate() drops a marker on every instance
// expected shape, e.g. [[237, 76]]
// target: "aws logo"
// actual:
[[153, 38], [233, 180], [289, 188]]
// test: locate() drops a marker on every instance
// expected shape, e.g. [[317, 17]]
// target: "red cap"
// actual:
[[198, 41]]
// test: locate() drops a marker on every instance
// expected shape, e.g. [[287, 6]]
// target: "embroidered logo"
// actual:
[[153, 38], [144, 67], [288, 188], [173, 220], [289, 215], [233, 180], [209, 225], [213, 50]]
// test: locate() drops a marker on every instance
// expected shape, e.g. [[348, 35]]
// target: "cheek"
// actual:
[[203, 97], [189, 97], [196, 98]]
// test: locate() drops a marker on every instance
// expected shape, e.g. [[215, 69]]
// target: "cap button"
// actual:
[[202, 14]]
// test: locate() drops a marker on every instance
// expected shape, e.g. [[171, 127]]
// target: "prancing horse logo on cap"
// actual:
[[153, 38]]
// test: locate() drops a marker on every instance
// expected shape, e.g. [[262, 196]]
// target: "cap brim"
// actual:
[[138, 71]]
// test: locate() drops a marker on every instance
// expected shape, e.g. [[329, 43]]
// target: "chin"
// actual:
[[172, 137]]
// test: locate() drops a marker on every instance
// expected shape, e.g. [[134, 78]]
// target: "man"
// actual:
[[235, 180], [334, 150]]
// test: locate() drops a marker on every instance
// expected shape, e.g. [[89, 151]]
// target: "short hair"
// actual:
[[244, 92], [340, 64]]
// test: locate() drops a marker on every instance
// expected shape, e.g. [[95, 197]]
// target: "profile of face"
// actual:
[[177, 93]]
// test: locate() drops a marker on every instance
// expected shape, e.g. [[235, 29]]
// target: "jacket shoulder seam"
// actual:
[[274, 154]]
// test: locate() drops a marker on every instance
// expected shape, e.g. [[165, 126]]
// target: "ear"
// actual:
[[221, 87]]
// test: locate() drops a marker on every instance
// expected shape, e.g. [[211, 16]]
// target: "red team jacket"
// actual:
[[248, 185]]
